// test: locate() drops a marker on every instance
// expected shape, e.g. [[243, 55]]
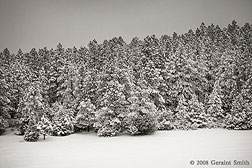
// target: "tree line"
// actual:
[[199, 79]]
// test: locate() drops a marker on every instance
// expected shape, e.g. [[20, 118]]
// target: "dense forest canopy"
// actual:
[[199, 79]]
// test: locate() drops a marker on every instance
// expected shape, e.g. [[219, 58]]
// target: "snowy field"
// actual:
[[164, 149]]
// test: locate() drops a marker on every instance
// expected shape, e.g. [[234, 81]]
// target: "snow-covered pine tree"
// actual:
[[66, 87], [31, 133], [165, 120], [44, 126], [141, 122], [4, 94], [228, 79], [34, 62], [86, 115], [3, 125], [111, 99], [31, 107], [240, 116], [141, 118], [190, 113], [62, 120], [54, 71], [107, 122], [6, 57], [9, 94], [214, 107]]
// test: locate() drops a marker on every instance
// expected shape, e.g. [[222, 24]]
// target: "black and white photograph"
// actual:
[[125, 83]]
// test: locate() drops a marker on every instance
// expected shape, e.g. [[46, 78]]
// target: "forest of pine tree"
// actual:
[[199, 79]]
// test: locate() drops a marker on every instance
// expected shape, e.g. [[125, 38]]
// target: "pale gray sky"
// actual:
[[44, 23]]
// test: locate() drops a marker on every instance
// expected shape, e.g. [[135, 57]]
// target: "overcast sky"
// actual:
[[27, 24]]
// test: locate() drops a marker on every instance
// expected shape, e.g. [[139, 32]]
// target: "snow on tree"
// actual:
[[111, 98], [19, 56], [65, 86], [111, 92], [31, 133], [4, 94], [22, 125], [190, 113], [62, 120], [165, 120], [141, 118], [34, 62], [179, 76], [85, 118], [44, 126], [31, 107], [6, 57], [240, 116], [54, 70], [107, 122], [214, 107], [3, 125], [52, 84], [228, 79], [20, 77], [141, 122]]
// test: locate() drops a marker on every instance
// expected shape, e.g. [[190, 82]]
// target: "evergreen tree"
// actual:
[[30, 108], [4, 94], [107, 122], [141, 122], [6, 57], [62, 120], [214, 107], [165, 120], [190, 113], [31, 133], [86, 115], [66, 87], [141, 118], [241, 112], [3, 125], [44, 126]]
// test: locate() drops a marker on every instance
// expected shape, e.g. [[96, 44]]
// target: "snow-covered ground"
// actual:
[[164, 149]]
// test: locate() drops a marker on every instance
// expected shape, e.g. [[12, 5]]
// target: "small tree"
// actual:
[[62, 121], [31, 106], [86, 115], [214, 107], [240, 116], [165, 120], [31, 133], [190, 113], [141, 122], [107, 122], [45, 126], [22, 125]]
